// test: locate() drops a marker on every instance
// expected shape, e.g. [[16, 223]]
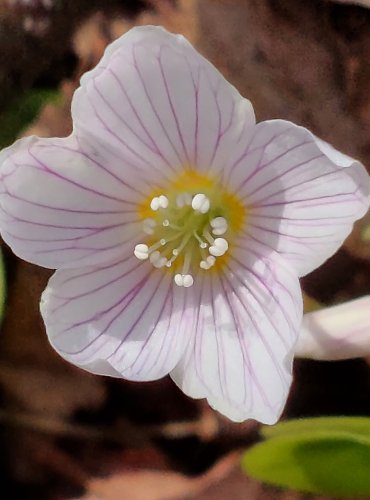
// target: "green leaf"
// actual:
[[2, 286], [329, 456], [21, 112], [355, 425], [365, 234], [310, 304]]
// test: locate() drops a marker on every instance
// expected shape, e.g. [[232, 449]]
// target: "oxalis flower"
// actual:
[[178, 226]]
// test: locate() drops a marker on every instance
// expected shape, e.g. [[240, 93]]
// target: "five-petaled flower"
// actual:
[[178, 226]]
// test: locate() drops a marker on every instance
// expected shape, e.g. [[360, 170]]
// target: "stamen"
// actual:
[[208, 236], [159, 202], [202, 243], [157, 245], [149, 225], [188, 280], [167, 223], [201, 203], [219, 225], [203, 254], [186, 227], [157, 260], [187, 261], [178, 279], [204, 265], [219, 247], [208, 262], [184, 242], [184, 280], [163, 201], [154, 204], [211, 260], [141, 251]]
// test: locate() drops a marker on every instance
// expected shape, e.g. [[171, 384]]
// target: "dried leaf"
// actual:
[[53, 392], [158, 485]]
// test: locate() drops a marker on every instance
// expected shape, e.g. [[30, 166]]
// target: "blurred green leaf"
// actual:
[[310, 304], [329, 456], [303, 426], [366, 234], [2, 285], [21, 112]]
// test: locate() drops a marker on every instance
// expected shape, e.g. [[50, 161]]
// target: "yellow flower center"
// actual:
[[190, 226]]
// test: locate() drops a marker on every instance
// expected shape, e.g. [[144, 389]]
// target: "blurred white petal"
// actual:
[[338, 332]]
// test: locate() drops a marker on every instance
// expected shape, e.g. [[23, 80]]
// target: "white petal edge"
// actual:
[[59, 207], [338, 332], [124, 319], [156, 103], [242, 345], [302, 195]]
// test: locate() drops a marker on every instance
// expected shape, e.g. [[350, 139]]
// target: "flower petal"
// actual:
[[124, 319], [241, 352], [155, 104], [60, 208], [303, 195], [338, 332]]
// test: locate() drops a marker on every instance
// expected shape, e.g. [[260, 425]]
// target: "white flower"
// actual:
[[178, 226], [337, 332]]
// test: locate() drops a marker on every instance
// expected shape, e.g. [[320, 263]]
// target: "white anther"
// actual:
[[200, 203], [141, 251], [187, 280], [219, 225], [159, 202], [184, 280], [148, 226], [219, 247], [163, 201], [208, 263], [218, 222], [157, 260], [166, 223], [154, 204], [203, 244], [179, 280], [211, 260], [219, 230], [175, 252], [183, 199], [154, 256], [162, 241]]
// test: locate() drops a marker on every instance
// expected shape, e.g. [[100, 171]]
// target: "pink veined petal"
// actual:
[[241, 350], [124, 319], [60, 208], [157, 105], [303, 195], [338, 332]]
